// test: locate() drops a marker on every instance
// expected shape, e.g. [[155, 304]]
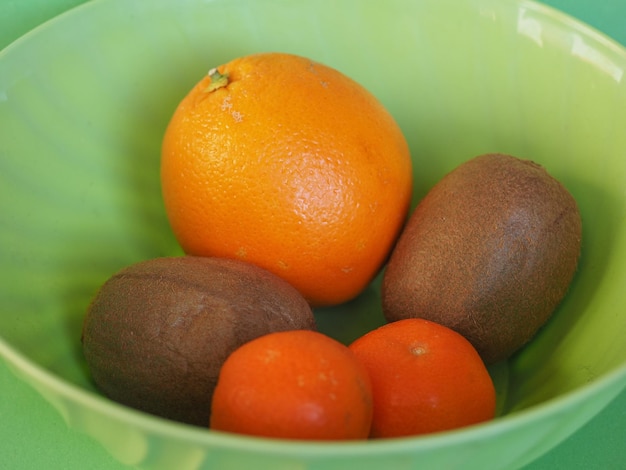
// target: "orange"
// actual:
[[425, 378], [296, 384], [288, 164]]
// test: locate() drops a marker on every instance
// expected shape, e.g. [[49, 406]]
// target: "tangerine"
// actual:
[[425, 378], [296, 384], [289, 164]]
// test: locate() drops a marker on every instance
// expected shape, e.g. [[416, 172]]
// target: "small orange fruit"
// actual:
[[288, 164], [295, 384], [425, 378]]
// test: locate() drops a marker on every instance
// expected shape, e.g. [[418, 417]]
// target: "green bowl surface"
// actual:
[[84, 101]]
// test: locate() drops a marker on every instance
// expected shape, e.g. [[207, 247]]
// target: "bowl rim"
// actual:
[[151, 424], [22, 367], [536, 5]]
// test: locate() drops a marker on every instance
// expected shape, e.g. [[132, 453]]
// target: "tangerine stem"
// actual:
[[218, 80]]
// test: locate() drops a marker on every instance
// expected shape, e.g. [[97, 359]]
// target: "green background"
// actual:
[[34, 436]]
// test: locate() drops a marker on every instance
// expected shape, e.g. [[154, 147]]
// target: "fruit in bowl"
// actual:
[[490, 252], [81, 174], [157, 332], [289, 164]]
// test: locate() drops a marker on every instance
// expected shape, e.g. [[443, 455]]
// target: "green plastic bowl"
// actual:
[[84, 101]]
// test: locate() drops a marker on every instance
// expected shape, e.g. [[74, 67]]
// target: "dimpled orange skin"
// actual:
[[425, 377], [291, 166], [297, 384]]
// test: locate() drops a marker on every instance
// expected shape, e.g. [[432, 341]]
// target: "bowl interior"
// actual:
[[82, 121]]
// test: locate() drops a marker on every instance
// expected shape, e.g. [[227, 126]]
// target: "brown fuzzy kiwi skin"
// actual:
[[490, 252], [157, 332]]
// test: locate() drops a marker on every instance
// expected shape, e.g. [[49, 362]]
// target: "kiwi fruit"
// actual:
[[490, 252], [156, 333]]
